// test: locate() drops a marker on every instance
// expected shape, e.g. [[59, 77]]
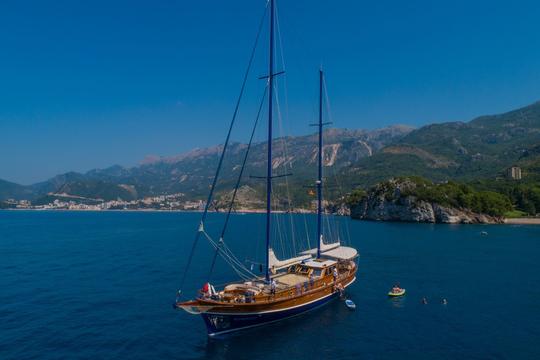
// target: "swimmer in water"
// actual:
[[424, 301], [444, 302]]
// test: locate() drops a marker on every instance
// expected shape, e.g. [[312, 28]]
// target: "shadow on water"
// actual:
[[283, 336]]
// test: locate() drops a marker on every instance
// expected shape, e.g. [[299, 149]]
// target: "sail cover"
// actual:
[[324, 247], [276, 264]]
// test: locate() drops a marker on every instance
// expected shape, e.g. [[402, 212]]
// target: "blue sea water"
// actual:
[[82, 285]]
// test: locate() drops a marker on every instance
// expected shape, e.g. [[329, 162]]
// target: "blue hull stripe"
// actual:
[[221, 324]]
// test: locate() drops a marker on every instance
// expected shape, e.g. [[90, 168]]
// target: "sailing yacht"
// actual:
[[289, 287]]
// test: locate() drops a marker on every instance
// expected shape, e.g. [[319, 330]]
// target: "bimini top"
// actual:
[[341, 253]]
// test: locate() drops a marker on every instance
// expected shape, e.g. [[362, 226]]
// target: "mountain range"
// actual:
[[191, 173], [482, 148]]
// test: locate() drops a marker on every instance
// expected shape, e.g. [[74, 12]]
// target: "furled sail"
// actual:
[[333, 250], [275, 264], [322, 246]]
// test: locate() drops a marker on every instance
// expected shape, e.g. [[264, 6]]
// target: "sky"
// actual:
[[88, 85]]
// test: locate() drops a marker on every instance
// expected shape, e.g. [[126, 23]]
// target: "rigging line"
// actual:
[[327, 102], [330, 222], [285, 241], [280, 38], [333, 231], [244, 163], [227, 254], [237, 106], [281, 53], [240, 271], [329, 230], [307, 232], [229, 257], [276, 224], [286, 156], [237, 268], [238, 181], [347, 233]]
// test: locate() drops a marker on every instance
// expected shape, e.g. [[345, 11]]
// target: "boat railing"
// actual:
[[289, 292]]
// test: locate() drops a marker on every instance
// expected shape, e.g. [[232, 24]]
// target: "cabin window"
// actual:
[[317, 272]]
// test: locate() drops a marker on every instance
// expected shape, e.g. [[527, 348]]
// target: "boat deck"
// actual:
[[291, 279]]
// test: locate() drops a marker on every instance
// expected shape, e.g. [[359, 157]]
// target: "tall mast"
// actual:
[[269, 165], [319, 179]]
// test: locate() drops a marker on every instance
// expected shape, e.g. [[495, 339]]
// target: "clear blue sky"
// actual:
[[92, 84]]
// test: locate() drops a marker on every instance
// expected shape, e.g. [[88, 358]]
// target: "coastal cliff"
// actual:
[[416, 200]]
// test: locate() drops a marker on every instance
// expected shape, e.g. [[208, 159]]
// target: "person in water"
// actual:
[[341, 290], [444, 302], [424, 300]]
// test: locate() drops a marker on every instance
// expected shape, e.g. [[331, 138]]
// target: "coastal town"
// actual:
[[70, 202], [172, 202]]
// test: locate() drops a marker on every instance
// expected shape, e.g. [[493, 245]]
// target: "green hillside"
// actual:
[[480, 149]]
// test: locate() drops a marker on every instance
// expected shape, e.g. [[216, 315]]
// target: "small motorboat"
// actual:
[[350, 304], [396, 292]]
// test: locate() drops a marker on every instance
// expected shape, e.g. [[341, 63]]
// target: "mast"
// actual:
[[269, 165], [319, 179]]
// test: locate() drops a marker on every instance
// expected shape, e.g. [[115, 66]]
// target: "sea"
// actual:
[[100, 285]]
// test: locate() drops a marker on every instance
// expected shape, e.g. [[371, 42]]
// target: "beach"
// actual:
[[523, 221]]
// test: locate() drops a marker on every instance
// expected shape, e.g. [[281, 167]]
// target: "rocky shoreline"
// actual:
[[421, 212], [392, 204]]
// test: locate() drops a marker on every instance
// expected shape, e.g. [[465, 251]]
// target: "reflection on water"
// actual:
[[397, 302]]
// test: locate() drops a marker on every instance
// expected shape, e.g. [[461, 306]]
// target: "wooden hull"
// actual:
[[223, 320]]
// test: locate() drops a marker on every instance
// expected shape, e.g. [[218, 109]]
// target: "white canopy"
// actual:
[[341, 253], [276, 264], [319, 264], [334, 251]]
